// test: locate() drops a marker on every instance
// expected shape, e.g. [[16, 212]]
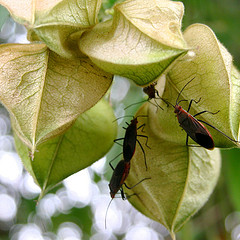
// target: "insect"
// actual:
[[119, 176], [194, 127], [130, 140], [152, 93], [120, 173]]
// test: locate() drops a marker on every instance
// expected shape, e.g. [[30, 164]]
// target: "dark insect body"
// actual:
[[194, 127], [130, 140], [118, 178], [152, 93], [120, 173]]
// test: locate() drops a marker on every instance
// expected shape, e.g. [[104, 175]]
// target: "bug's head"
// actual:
[[177, 109], [134, 121], [112, 192]]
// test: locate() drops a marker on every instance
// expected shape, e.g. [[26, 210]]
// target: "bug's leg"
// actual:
[[188, 145], [145, 160], [165, 100], [128, 196], [136, 183], [110, 163], [122, 194], [187, 140], [134, 104], [156, 91], [218, 130], [142, 126], [111, 166], [154, 104], [184, 100], [118, 139], [158, 104], [146, 143], [190, 104], [126, 127], [206, 112]]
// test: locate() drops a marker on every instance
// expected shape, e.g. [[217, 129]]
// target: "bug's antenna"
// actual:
[[167, 102], [129, 116], [183, 89], [135, 104], [106, 213], [123, 117], [141, 116]]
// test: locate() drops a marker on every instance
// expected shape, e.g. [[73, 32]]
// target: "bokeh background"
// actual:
[[76, 208]]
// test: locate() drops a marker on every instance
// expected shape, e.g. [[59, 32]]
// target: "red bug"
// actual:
[[194, 127], [119, 176], [130, 140], [152, 93]]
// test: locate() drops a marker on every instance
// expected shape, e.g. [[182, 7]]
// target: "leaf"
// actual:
[[89, 139], [57, 23], [141, 41], [151, 16], [44, 93], [235, 102], [182, 178], [214, 84], [4, 15]]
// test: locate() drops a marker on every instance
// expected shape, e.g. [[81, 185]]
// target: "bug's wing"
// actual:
[[119, 176], [198, 132], [115, 182], [129, 143]]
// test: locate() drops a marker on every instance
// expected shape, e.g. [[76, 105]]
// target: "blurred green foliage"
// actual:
[[220, 15], [231, 169], [80, 216]]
